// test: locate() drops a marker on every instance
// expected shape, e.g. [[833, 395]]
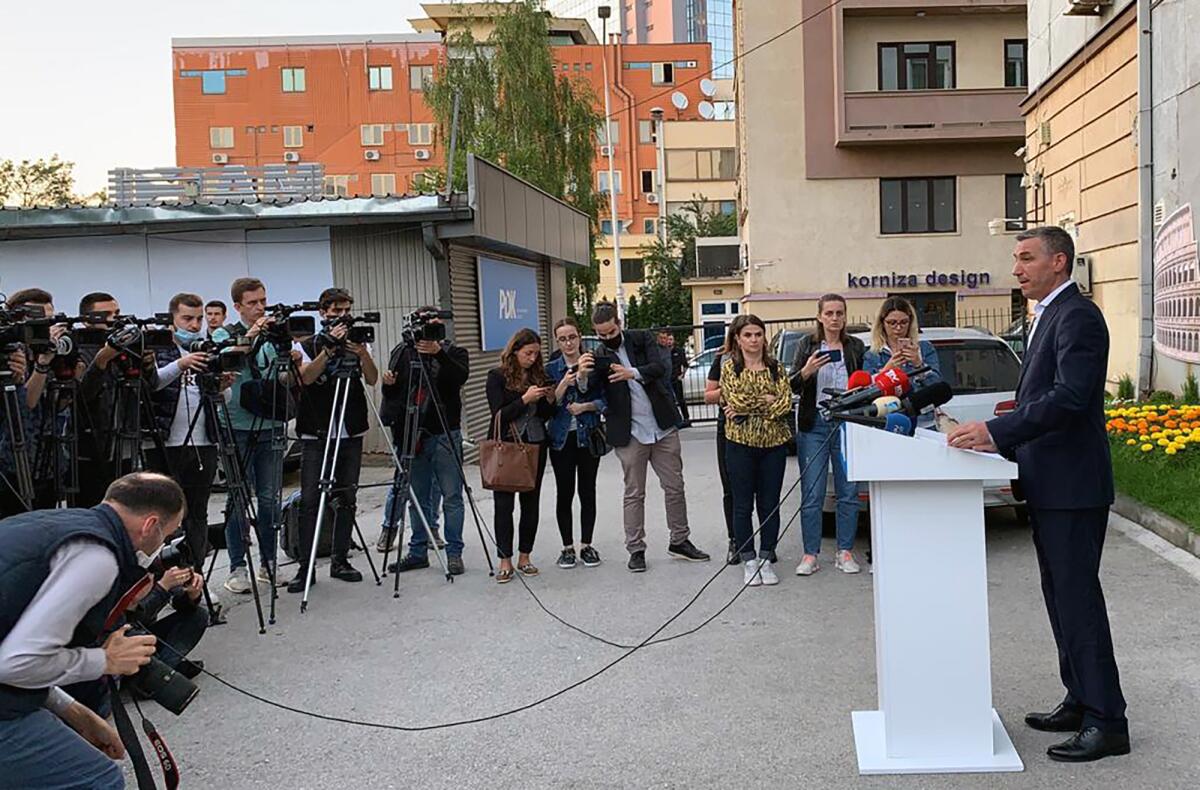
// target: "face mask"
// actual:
[[613, 342], [186, 337]]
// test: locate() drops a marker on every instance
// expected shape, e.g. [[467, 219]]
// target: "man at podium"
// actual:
[[1056, 436]]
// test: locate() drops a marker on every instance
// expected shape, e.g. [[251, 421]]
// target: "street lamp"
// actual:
[[604, 12]]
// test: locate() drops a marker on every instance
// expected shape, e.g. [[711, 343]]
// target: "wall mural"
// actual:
[[1177, 288]]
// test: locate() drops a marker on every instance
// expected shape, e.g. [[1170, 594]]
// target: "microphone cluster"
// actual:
[[886, 401]]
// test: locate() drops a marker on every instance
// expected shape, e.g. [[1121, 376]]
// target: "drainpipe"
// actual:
[[631, 126], [437, 249], [1145, 143]]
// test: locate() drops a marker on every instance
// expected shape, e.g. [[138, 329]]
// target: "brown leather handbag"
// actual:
[[508, 466]]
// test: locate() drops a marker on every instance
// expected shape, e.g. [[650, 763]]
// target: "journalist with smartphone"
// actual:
[[824, 360], [62, 572], [896, 343]]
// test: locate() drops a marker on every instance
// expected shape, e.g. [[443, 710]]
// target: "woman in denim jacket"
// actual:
[[896, 343], [571, 453]]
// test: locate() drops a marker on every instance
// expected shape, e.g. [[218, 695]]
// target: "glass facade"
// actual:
[[712, 21]]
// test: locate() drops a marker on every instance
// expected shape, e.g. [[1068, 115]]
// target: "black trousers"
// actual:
[[1069, 544], [193, 468], [573, 463], [505, 503], [680, 400], [343, 497], [726, 489]]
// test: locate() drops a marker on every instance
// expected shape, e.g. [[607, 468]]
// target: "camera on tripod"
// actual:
[[426, 324], [226, 356], [288, 327], [20, 329], [358, 330]]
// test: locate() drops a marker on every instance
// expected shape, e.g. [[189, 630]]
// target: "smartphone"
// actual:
[[834, 354], [573, 369]]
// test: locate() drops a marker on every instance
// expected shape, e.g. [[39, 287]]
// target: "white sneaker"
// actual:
[[845, 562], [808, 566], [263, 574], [751, 578], [767, 572], [238, 582]]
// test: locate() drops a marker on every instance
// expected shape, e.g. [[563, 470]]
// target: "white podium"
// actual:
[[932, 654]]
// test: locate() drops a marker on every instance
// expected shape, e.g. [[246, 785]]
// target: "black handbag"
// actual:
[[598, 444]]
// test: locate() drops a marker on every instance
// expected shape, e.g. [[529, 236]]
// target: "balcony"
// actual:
[[930, 116], [717, 258]]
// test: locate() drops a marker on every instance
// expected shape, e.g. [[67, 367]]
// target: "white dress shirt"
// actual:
[[1040, 308], [643, 426]]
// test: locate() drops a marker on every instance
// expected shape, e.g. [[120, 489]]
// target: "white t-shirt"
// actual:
[[188, 407], [304, 360]]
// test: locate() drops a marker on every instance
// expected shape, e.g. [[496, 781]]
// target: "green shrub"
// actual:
[[1191, 391], [1161, 396], [1125, 388]]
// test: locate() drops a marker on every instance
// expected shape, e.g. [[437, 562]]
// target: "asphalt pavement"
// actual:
[[760, 697]]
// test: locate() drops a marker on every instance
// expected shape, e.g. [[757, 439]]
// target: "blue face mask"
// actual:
[[186, 337]]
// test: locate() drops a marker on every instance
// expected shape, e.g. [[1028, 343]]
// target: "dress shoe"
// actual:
[[296, 585], [1089, 744], [340, 568], [1061, 719]]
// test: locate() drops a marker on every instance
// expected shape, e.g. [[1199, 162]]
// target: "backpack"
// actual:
[[289, 516]]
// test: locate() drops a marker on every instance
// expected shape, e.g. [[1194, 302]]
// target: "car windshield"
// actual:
[[786, 352], [974, 367], [704, 359]]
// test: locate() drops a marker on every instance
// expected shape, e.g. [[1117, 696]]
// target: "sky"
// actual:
[[93, 83]]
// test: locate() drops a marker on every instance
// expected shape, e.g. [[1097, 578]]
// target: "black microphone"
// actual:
[[933, 395]]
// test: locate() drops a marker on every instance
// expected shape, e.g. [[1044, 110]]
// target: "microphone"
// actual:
[[933, 395], [858, 379], [880, 407], [894, 382], [892, 423]]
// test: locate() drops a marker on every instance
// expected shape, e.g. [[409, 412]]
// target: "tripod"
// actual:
[[60, 444], [14, 419], [348, 371]]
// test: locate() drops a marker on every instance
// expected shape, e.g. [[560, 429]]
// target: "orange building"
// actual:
[[356, 106]]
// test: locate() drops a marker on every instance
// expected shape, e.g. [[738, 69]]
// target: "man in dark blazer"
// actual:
[[1057, 437], [642, 424]]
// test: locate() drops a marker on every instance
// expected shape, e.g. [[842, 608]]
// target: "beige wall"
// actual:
[[1055, 37], [631, 247], [979, 49], [679, 191], [1089, 172], [699, 134]]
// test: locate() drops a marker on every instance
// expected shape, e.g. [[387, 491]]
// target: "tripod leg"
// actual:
[[367, 553], [328, 464]]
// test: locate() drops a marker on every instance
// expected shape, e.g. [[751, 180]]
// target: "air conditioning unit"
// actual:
[[652, 199], [606, 150], [220, 159], [371, 156], [291, 156], [422, 154]]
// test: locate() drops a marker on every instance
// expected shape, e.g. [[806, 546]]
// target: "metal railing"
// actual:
[[265, 182]]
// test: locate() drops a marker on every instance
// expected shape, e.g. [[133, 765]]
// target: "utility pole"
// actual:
[[604, 12]]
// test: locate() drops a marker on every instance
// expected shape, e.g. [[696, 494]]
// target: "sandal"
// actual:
[[504, 575], [529, 569]]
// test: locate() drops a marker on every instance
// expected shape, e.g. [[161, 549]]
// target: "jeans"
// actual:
[[39, 750], [438, 459], [505, 503], [814, 456], [262, 478], [756, 477], [342, 499], [178, 633], [391, 519], [193, 468], [569, 463]]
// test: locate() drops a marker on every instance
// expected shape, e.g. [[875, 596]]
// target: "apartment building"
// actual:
[[877, 142]]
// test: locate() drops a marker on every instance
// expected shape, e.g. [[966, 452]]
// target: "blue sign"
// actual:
[[508, 301]]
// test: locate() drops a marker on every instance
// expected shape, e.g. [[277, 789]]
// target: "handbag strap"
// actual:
[[511, 426]]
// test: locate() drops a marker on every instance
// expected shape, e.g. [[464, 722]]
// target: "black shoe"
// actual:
[[1090, 743], [566, 559], [1061, 719], [686, 551], [190, 668], [735, 556], [409, 563], [296, 585], [637, 562], [340, 568], [589, 556], [454, 565]]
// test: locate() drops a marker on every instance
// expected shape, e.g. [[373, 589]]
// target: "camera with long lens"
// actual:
[[288, 327], [359, 330], [132, 337], [21, 328], [426, 324], [225, 356]]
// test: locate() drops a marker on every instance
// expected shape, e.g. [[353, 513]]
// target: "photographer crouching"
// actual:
[[341, 351], [62, 572]]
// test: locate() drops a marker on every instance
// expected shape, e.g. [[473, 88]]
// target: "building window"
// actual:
[[337, 185], [728, 206], [648, 226], [603, 180], [916, 67], [1014, 202], [1015, 52], [646, 132], [614, 133], [648, 187], [710, 164], [917, 205], [371, 134], [418, 76], [212, 82], [633, 270], [662, 73], [220, 136], [379, 78], [293, 136], [420, 134], [724, 110], [383, 183], [293, 79]]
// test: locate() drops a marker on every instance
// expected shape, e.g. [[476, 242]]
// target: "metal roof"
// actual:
[[253, 42]]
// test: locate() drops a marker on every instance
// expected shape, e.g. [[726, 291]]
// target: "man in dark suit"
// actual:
[[1057, 437], [642, 424]]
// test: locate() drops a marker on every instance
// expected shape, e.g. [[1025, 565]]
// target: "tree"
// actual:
[[43, 182], [665, 300], [517, 109]]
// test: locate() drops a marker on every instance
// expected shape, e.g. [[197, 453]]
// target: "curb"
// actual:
[[1169, 529]]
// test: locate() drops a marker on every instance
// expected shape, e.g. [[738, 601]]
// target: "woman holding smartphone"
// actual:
[[896, 343], [520, 392], [824, 360], [573, 453]]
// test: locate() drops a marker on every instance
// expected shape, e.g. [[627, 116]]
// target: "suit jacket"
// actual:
[[654, 364], [1056, 434]]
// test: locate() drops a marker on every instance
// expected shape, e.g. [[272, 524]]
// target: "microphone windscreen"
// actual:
[[899, 423], [893, 381], [859, 378], [886, 405], [933, 395]]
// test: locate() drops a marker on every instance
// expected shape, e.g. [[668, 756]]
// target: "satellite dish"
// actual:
[[679, 100], [707, 111], [708, 87]]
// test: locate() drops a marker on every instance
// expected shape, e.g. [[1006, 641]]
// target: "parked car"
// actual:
[[1014, 335], [696, 376]]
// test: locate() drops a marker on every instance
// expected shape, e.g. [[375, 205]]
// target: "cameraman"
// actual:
[[96, 404], [439, 453], [254, 436], [62, 572], [186, 421], [323, 357]]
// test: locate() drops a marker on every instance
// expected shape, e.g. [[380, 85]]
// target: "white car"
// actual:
[[696, 376]]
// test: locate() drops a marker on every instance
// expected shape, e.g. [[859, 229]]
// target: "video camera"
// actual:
[[358, 330], [228, 354], [288, 327], [426, 324]]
